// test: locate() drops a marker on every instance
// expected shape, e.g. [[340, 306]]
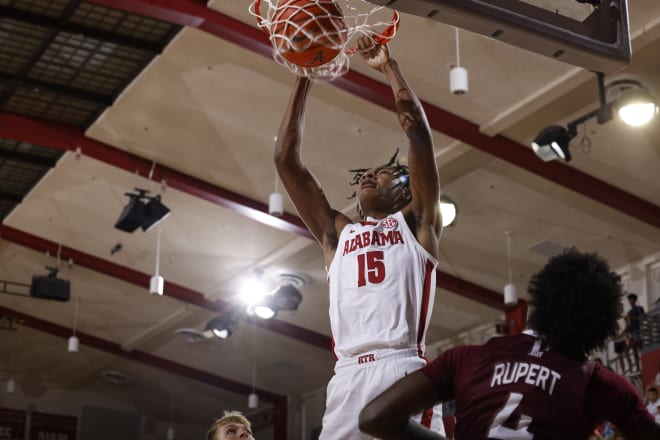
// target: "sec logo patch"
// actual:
[[390, 223]]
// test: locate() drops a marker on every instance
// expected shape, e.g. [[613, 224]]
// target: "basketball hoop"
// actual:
[[314, 38]]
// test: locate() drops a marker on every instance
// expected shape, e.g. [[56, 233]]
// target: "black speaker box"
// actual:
[[50, 288]]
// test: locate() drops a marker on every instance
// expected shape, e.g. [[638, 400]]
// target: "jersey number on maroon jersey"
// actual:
[[371, 267], [500, 432]]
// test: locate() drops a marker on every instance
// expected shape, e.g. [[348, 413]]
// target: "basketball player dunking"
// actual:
[[381, 271]]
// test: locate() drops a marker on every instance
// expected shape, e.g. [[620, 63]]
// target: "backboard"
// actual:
[[576, 32]]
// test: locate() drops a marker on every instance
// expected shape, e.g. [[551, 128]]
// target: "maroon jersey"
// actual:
[[511, 388]]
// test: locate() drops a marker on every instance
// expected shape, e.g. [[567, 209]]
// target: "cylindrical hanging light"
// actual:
[[169, 435], [510, 294], [11, 386], [458, 76], [157, 283], [73, 343], [253, 401], [276, 201]]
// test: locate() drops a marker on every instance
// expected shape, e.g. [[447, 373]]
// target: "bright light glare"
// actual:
[[252, 291], [264, 312], [448, 212], [638, 113], [557, 149], [222, 334]]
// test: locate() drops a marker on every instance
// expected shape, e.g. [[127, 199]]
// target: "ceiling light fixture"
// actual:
[[253, 397], [458, 76], [448, 210], [253, 400], [157, 283], [253, 288], [222, 327], [510, 294], [74, 343], [11, 383], [141, 211], [276, 200], [286, 297], [169, 434], [265, 308], [11, 386], [635, 107]]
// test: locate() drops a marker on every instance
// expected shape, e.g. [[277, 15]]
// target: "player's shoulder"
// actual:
[[523, 341]]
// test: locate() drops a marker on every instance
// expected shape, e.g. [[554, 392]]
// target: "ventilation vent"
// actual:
[[190, 335], [291, 278], [547, 248], [113, 376]]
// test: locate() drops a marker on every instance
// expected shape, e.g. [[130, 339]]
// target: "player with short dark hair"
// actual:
[[537, 385], [381, 270]]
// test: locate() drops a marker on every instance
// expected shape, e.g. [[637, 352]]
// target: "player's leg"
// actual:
[[343, 404]]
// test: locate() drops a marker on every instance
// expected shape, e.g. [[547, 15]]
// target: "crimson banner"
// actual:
[[12, 424], [52, 427]]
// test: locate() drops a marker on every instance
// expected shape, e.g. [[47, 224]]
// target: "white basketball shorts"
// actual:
[[358, 380]]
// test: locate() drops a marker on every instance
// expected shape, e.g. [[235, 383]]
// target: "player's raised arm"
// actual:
[[304, 190], [388, 416], [424, 182]]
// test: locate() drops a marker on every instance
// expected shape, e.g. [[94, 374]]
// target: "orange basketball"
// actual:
[[308, 33]]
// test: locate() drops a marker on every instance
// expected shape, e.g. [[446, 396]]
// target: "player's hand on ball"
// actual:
[[375, 54]]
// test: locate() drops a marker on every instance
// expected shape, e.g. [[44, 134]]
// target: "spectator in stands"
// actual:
[[632, 331], [231, 426], [652, 401]]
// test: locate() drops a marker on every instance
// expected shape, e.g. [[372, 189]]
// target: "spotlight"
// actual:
[[154, 213], [287, 297], [138, 214], [132, 215], [265, 308], [221, 327], [636, 108], [253, 289], [552, 143], [448, 210]]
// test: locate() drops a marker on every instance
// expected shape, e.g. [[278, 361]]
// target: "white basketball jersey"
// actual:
[[382, 287]]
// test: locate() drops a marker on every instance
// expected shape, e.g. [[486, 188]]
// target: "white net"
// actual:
[[314, 38]]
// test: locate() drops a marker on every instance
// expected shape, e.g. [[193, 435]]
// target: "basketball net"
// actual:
[[359, 18]]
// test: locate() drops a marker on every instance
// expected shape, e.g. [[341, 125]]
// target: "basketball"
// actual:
[[308, 33]]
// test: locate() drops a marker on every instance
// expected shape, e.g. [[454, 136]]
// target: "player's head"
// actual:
[[576, 301], [632, 298], [231, 426], [385, 188], [651, 394]]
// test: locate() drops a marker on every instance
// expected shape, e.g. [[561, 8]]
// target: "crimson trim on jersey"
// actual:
[[426, 296], [368, 223], [427, 416]]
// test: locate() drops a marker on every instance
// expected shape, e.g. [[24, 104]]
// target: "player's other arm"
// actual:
[[304, 190], [388, 416]]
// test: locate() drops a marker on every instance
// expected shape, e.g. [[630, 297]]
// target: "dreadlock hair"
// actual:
[[227, 418], [401, 174], [576, 303]]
